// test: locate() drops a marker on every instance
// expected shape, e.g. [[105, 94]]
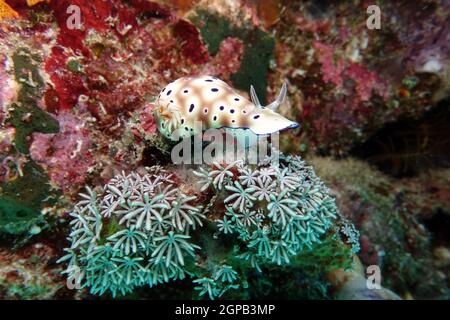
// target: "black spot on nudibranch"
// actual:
[[209, 80], [191, 107], [169, 92], [185, 91], [243, 111], [221, 108], [214, 89], [205, 110], [233, 121], [186, 128], [232, 111], [163, 90], [182, 121], [256, 117], [171, 101], [236, 99], [215, 118]]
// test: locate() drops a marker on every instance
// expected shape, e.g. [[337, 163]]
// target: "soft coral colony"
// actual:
[[149, 229]]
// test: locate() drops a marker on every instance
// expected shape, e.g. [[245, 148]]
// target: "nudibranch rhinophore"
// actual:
[[188, 101]]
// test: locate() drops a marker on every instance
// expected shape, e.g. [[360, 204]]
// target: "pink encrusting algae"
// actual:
[[66, 155]]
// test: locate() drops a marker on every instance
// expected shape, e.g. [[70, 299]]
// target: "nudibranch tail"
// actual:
[[188, 101]]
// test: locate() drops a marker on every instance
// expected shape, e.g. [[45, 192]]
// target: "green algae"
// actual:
[[21, 200], [213, 28], [328, 255], [30, 291], [16, 218], [258, 49], [74, 66], [26, 116]]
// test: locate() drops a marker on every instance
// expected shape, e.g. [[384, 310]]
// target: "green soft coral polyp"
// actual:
[[143, 230]]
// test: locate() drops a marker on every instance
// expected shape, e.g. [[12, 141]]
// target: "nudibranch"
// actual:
[[209, 101]]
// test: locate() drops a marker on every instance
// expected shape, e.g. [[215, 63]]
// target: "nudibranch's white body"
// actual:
[[188, 101]]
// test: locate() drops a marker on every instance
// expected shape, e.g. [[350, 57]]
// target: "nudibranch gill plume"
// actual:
[[188, 101]]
